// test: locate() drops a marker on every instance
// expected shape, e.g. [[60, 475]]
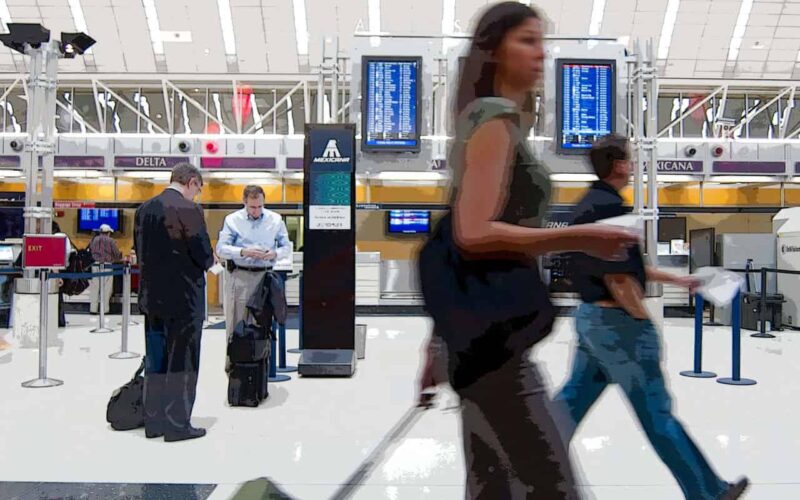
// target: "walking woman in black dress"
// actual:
[[479, 274]]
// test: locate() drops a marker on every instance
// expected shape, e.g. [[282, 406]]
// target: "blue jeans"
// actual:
[[615, 348]]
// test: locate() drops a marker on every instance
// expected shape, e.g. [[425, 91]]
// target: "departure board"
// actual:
[[586, 94], [391, 103]]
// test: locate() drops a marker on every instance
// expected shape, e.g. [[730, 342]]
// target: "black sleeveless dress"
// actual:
[[488, 310]]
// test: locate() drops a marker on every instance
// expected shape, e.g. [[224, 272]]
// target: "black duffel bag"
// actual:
[[125, 409], [79, 262]]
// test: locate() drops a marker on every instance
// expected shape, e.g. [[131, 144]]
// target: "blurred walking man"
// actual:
[[617, 342]]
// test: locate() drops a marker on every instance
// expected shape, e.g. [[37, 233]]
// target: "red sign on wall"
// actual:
[[73, 204], [44, 251]]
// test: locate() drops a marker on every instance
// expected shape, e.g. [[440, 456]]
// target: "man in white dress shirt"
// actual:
[[251, 241]]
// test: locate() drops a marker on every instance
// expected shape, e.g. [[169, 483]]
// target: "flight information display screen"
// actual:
[[391, 103], [586, 96], [409, 221], [90, 219]]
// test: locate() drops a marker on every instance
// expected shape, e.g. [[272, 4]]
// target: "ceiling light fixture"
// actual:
[[150, 174], [77, 15], [760, 179], [573, 177], [5, 15], [374, 13], [739, 29], [226, 21], [410, 176], [598, 9], [667, 28], [300, 26], [153, 26]]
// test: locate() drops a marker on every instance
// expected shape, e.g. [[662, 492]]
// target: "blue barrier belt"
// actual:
[[82, 275], [12, 270]]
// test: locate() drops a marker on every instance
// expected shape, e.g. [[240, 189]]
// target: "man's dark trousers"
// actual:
[[171, 370]]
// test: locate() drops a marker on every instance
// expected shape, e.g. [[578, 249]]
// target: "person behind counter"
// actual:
[[251, 240], [104, 251]]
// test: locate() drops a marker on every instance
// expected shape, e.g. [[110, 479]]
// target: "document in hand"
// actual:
[[634, 223], [719, 286], [216, 269]]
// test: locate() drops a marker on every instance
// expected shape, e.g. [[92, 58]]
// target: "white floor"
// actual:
[[312, 433]]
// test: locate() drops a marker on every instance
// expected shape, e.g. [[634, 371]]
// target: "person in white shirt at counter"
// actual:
[[251, 241]]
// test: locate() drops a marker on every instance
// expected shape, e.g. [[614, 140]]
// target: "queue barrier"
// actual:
[[123, 270], [762, 300], [736, 346]]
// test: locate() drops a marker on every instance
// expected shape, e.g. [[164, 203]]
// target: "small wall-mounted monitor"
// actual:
[[6, 254], [390, 105], [90, 219], [12, 223], [408, 221], [586, 97], [671, 228]]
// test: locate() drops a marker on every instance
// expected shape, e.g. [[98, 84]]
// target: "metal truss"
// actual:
[[325, 97]]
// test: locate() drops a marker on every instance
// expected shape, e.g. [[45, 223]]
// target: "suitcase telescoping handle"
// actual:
[[398, 431], [264, 488], [139, 370]]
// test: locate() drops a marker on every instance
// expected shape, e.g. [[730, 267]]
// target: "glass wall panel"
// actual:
[[151, 104], [85, 111]]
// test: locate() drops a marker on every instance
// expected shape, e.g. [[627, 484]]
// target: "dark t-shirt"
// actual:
[[602, 202]]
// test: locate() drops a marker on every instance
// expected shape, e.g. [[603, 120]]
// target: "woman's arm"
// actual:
[[482, 194]]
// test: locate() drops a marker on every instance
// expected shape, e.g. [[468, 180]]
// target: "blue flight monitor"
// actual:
[[90, 219], [587, 90], [409, 221], [390, 113]]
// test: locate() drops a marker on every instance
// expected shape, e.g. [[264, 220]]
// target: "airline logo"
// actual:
[[789, 249], [332, 154]]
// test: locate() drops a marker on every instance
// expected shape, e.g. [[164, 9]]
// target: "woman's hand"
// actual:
[[607, 242]]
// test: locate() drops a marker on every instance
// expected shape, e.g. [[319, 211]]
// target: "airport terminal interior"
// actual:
[[329, 126]]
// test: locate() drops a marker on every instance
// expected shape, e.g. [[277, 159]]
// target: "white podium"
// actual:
[[25, 319]]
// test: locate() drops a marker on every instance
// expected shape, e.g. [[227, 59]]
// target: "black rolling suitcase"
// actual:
[[246, 384]]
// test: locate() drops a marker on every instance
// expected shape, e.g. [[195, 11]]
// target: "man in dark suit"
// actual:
[[174, 250]]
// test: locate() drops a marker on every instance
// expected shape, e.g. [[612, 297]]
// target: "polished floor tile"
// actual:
[[313, 433]]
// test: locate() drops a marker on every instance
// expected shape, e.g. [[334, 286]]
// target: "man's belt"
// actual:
[[232, 266]]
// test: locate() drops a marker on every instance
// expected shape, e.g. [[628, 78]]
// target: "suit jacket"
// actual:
[[174, 251], [268, 301]]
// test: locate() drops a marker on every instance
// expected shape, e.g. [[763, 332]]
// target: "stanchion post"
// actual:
[[736, 335], [101, 322], [698, 372], [274, 376], [762, 312], [300, 322], [126, 315], [43, 381], [282, 366]]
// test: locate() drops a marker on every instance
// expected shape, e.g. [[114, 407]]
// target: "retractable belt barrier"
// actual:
[[762, 297], [736, 345], [123, 270]]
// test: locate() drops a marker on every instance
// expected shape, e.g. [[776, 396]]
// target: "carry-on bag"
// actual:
[[246, 383], [125, 409], [250, 342]]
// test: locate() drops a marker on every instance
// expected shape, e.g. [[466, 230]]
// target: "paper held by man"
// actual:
[[719, 286]]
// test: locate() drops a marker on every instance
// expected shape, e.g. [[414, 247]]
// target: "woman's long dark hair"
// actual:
[[479, 70]]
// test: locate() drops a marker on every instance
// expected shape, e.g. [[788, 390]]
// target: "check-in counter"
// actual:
[[678, 265], [368, 279]]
